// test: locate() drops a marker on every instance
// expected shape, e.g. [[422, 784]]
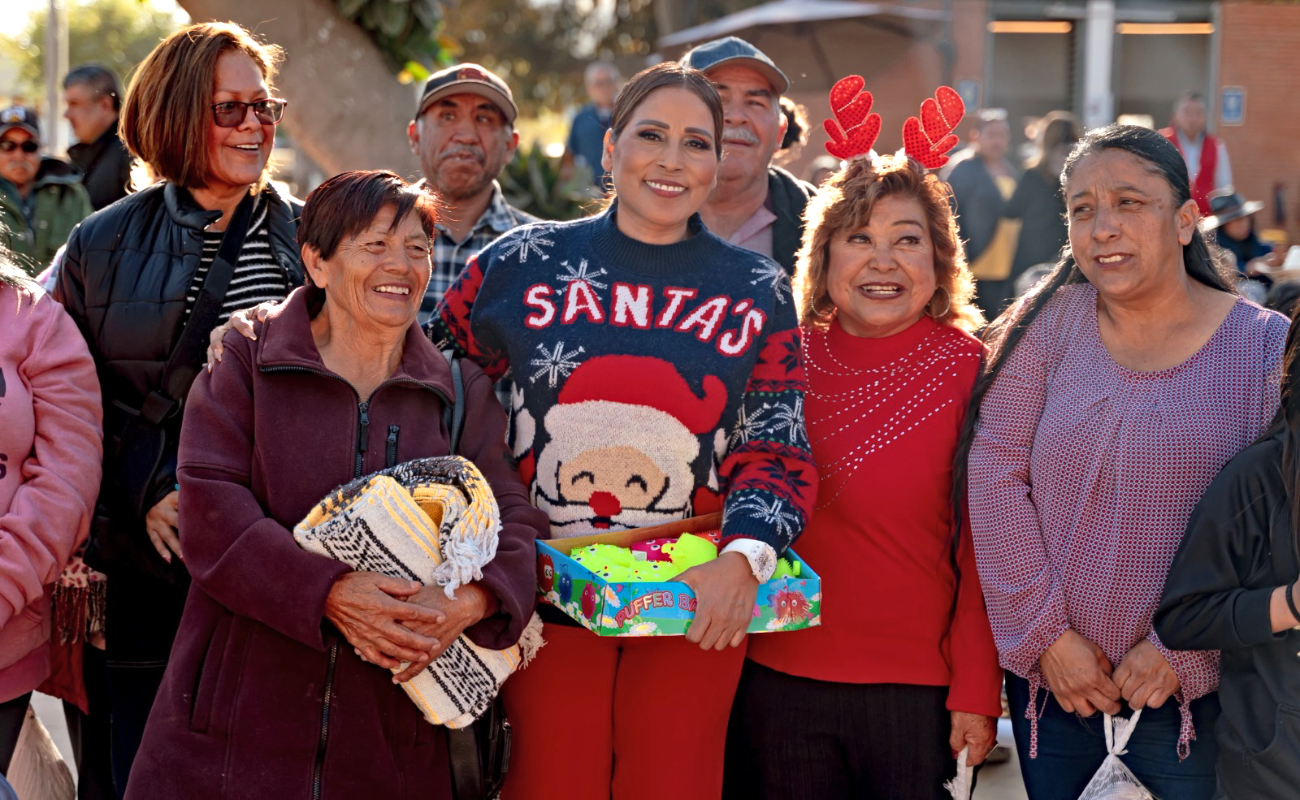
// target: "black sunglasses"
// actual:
[[29, 146], [231, 114]]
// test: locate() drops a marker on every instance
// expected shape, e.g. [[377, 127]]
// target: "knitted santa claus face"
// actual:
[[624, 441]]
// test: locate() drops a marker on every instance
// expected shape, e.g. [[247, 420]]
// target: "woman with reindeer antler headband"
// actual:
[[904, 673], [1110, 397]]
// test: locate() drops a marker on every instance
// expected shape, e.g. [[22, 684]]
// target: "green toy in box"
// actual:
[[612, 606]]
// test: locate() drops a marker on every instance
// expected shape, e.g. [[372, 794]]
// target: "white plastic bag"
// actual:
[[960, 786], [38, 771], [1114, 781]]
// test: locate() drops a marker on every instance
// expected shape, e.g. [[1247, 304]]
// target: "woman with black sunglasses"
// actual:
[[200, 114]]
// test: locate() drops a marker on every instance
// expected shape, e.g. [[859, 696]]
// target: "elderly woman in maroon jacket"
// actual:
[[269, 691]]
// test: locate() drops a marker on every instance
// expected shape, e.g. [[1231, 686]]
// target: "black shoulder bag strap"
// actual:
[[479, 754], [187, 357], [462, 743], [453, 416]]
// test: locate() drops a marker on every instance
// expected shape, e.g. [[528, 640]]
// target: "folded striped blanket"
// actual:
[[432, 520]]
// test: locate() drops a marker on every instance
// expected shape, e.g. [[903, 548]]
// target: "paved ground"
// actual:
[[997, 781], [1002, 781]]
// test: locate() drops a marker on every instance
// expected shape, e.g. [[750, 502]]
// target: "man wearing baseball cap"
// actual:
[[464, 134], [41, 199], [755, 205]]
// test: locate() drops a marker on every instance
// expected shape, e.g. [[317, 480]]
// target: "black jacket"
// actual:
[[1237, 550], [105, 165], [789, 197], [1039, 204], [124, 280], [978, 204]]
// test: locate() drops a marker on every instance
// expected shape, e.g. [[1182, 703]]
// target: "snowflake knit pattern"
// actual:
[[1083, 475], [652, 382]]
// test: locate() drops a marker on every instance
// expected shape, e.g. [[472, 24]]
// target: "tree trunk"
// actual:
[[346, 109], [675, 15]]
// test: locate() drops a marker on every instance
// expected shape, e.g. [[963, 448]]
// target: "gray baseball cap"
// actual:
[[734, 50]]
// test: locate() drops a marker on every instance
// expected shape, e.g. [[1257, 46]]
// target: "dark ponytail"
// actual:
[[1203, 261], [1288, 424]]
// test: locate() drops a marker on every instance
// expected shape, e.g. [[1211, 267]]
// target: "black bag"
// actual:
[[479, 755], [143, 437]]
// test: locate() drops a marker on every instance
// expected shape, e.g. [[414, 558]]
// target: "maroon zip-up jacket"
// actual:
[[263, 697]]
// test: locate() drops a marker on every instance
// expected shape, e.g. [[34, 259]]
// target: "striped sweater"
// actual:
[[258, 278]]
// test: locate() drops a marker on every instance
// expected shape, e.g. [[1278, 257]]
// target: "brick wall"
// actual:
[[1261, 53], [970, 37]]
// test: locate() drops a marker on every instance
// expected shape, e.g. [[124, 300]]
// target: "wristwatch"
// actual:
[[761, 556]]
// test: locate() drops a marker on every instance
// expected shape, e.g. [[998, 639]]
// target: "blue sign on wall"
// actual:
[[1232, 106]]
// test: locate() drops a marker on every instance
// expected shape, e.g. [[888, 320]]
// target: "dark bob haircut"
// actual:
[[346, 204], [167, 115]]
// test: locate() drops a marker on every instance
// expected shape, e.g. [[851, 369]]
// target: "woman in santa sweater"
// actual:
[[903, 671], [658, 375]]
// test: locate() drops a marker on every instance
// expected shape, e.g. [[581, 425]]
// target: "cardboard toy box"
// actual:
[[663, 608]]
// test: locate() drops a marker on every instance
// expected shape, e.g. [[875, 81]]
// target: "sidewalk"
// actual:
[[1002, 781]]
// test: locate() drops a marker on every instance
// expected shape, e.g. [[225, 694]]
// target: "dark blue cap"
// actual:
[[20, 117], [737, 51]]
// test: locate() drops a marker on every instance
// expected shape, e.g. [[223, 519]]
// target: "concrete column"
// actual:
[[1099, 58]]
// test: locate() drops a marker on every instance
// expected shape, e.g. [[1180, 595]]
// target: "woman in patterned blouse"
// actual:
[[1111, 396]]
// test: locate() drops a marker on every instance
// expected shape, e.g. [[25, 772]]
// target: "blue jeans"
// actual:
[[1071, 748]]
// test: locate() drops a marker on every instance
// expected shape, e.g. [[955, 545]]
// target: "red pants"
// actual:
[[624, 718]]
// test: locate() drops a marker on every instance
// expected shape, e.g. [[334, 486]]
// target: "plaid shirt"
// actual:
[[449, 258]]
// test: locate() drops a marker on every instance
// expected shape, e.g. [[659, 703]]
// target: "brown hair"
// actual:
[[347, 203], [845, 202], [1056, 129], [796, 131], [167, 113], [667, 75]]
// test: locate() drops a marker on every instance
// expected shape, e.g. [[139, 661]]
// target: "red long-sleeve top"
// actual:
[[883, 417]]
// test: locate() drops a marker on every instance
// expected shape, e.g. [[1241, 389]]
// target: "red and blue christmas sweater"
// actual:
[[652, 382]]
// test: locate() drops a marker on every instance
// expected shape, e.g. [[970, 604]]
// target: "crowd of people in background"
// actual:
[[1032, 423]]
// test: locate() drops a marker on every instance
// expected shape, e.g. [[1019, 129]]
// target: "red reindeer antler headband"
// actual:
[[854, 129], [851, 105]]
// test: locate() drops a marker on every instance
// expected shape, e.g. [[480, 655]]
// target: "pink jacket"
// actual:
[[51, 448]]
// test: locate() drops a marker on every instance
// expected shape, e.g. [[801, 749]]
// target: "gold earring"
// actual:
[[946, 307]]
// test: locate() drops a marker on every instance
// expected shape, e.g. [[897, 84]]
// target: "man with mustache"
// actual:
[[41, 198], [464, 134], [755, 205]]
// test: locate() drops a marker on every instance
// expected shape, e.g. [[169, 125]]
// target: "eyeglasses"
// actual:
[[231, 114], [29, 146]]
